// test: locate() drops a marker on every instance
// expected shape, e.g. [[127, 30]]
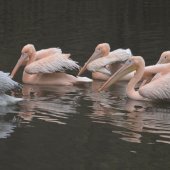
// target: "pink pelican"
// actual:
[[6, 84], [103, 63], [46, 67], [148, 75], [156, 89]]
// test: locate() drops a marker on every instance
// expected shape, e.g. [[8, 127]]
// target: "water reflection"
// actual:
[[8, 121], [48, 103], [132, 120]]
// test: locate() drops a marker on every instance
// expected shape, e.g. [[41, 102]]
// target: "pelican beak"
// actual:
[[20, 62], [95, 55], [125, 69]]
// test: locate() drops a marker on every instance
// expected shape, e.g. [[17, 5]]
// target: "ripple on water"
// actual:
[[54, 111], [133, 120], [8, 121], [50, 104]]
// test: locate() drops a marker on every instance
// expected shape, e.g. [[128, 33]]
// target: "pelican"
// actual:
[[148, 75], [47, 67], [6, 84], [157, 89], [103, 63]]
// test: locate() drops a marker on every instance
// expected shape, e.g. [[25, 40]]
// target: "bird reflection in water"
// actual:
[[8, 120], [47, 103], [131, 119]]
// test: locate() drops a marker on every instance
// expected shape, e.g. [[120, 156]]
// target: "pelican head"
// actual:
[[28, 49], [100, 51], [164, 58], [133, 63], [26, 54]]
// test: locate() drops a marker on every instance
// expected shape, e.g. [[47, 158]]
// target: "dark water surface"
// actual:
[[76, 128]]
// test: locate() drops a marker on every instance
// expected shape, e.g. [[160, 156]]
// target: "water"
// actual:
[[76, 127]]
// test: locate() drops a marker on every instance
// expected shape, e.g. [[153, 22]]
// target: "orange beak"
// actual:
[[125, 69], [20, 62], [95, 55]]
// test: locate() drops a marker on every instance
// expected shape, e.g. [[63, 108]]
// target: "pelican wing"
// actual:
[[47, 52], [100, 63], [54, 63], [6, 83], [115, 56], [121, 54], [104, 70], [158, 89]]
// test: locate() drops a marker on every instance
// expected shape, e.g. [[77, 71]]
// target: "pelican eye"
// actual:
[[129, 61], [99, 49]]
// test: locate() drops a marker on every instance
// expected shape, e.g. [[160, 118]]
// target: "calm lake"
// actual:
[[75, 127]]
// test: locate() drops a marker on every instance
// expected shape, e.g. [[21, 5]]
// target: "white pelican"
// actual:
[[6, 84], [47, 69], [104, 63], [157, 89]]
